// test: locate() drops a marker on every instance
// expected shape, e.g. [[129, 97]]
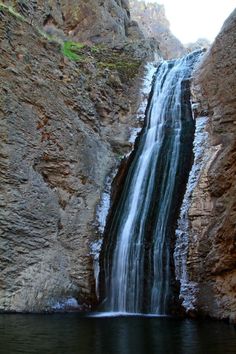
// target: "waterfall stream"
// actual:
[[137, 263]]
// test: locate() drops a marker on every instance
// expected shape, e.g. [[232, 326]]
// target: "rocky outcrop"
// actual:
[[65, 113], [200, 44], [100, 21], [206, 264], [153, 23]]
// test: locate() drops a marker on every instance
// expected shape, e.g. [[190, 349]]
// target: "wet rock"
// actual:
[[208, 224]]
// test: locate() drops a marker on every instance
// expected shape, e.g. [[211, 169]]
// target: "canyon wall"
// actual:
[[66, 114], [152, 21], [206, 250], [66, 110], [101, 21]]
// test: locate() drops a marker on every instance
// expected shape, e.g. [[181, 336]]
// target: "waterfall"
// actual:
[[137, 259]]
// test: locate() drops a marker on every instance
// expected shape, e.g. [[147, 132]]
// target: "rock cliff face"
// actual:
[[106, 21], [153, 23], [65, 117], [206, 250], [66, 110], [201, 43]]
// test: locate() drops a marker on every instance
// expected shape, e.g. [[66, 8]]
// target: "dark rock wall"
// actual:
[[210, 263]]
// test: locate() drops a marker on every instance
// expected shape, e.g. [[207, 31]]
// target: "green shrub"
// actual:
[[71, 49]]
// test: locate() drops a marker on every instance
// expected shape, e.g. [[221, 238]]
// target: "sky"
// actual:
[[193, 19]]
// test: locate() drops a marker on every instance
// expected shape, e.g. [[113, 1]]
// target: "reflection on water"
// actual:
[[72, 333]]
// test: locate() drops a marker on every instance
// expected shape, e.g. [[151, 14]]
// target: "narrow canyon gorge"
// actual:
[[76, 88]]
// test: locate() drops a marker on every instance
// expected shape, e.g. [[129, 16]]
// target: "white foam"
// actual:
[[69, 303], [105, 202], [122, 314]]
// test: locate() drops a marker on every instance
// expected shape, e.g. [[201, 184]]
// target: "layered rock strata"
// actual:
[[206, 249], [64, 125]]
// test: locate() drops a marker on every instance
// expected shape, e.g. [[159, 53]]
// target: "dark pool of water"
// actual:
[[74, 334]]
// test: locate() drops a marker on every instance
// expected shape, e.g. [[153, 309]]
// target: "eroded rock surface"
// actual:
[[208, 272], [64, 126], [153, 23], [94, 21]]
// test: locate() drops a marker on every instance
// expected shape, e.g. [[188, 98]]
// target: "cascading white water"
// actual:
[[137, 265]]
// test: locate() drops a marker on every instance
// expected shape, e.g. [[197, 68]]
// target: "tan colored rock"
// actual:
[[63, 125], [152, 21]]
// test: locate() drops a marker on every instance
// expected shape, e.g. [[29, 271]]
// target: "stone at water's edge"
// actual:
[[208, 272]]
